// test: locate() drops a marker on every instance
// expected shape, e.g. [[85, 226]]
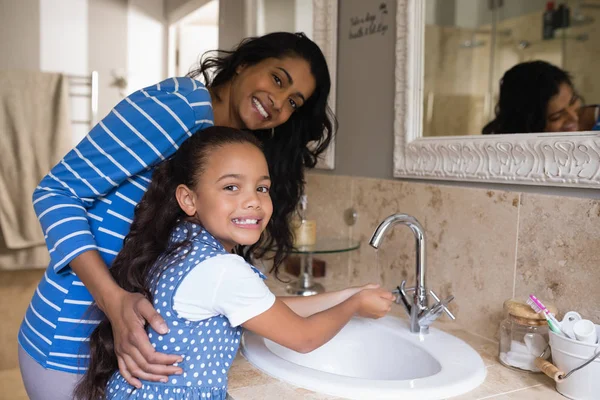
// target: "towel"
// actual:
[[35, 133]]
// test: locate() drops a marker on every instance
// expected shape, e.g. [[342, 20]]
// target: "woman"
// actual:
[[535, 97], [275, 85]]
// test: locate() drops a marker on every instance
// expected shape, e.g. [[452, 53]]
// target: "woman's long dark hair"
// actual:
[[525, 91], [286, 148], [156, 215]]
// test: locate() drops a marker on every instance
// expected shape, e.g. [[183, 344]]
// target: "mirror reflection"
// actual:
[[510, 66]]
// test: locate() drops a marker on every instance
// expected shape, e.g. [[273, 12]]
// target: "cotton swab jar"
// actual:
[[523, 336]]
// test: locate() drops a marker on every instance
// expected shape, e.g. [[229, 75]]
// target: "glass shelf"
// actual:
[[305, 286], [328, 245]]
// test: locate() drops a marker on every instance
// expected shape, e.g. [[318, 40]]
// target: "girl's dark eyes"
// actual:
[[277, 80], [235, 188], [293, 104]]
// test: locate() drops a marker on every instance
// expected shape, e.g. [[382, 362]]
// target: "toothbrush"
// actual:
[[539, 307]]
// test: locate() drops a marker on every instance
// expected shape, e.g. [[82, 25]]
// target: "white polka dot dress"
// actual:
[[208, 347]]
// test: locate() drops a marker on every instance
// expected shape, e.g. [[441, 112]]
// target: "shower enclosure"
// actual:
[[469, 44]]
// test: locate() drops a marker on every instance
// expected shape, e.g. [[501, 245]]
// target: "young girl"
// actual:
[[275, 86], [209, 201]]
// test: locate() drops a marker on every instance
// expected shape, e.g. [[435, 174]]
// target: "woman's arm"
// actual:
[[304, 334], [139, 132], [306, 306], [127, 313]]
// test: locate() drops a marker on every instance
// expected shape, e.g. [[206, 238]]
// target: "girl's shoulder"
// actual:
[[232, 265]]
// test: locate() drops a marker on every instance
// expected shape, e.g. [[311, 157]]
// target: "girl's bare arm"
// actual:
[[306, 306], [304, 334]]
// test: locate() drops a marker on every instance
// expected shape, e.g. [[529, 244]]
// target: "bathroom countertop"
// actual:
[[248, 383]]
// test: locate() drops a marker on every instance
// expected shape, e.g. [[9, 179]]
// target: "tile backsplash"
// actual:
[[483, 246]]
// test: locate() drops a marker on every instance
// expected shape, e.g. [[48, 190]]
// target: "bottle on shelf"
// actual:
[[562, 16], [548, 21]]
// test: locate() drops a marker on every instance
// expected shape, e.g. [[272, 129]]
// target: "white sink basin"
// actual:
[[374, 359]]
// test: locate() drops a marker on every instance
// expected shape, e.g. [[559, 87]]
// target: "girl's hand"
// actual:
[[137, 359], [373, 303]]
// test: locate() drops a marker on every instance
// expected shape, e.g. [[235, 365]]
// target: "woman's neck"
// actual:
[[222, 109]]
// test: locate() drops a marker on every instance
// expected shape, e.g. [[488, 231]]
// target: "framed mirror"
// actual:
[[449, 64], [318, 19]]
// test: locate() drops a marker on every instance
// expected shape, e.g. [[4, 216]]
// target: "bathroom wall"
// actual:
[[483, 246], [20, 34], [486, 243], [365, 91]]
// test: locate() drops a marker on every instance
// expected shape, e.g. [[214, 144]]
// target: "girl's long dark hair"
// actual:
[[525, 91], [287, 148], [156, 215]]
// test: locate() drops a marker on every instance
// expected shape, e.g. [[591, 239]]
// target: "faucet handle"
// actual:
[[443, 304], [402, 297]]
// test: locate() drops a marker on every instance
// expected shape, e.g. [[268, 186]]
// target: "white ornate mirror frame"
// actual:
[[325, 25], [546, 159]]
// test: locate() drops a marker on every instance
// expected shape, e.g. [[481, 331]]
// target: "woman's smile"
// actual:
[[260, 109]]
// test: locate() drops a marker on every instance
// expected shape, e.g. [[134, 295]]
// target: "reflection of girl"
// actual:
[[275, 86], [209, 200], [535, 97]]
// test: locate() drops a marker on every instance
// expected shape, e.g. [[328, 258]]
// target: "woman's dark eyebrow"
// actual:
[[291, 81], [574, 98]]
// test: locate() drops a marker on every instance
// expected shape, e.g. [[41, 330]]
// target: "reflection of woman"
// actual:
[[535, 97], [275, 86]]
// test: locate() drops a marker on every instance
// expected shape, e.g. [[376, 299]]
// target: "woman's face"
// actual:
[[562, 111], [264, 95]]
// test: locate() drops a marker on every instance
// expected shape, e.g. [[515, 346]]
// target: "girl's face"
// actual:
[[562, 112], [264, 95], [231, 197]]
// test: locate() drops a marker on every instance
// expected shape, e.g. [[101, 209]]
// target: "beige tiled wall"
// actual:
[[483, 246]]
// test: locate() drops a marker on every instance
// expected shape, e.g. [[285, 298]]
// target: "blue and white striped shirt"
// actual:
[[87, 203]]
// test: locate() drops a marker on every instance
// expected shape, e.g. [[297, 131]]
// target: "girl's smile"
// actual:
[[247, 223]]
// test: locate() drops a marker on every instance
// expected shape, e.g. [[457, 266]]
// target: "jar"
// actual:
[[523, 336]]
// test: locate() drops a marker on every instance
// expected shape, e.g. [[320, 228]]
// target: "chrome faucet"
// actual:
[[421, 316]]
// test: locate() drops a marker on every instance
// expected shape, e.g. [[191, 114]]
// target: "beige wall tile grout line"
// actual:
[[514, 288]]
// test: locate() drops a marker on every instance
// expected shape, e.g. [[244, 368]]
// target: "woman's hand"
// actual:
[[128, 313], [373, 303]]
